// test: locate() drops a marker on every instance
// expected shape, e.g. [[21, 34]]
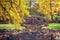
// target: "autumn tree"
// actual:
[[47, 7], [14, 10]]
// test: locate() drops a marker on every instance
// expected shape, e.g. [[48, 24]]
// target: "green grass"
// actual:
[[54, 26], [10, 26]]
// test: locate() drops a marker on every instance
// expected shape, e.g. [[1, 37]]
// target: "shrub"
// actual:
[[57, 19]]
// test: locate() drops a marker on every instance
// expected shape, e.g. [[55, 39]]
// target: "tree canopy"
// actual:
[[14, 10], [48, 7]]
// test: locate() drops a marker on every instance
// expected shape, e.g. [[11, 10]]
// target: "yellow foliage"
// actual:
[[47, 6], [14, 9]]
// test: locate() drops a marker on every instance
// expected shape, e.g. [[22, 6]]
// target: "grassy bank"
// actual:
[[54, 26], [10, 26]]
